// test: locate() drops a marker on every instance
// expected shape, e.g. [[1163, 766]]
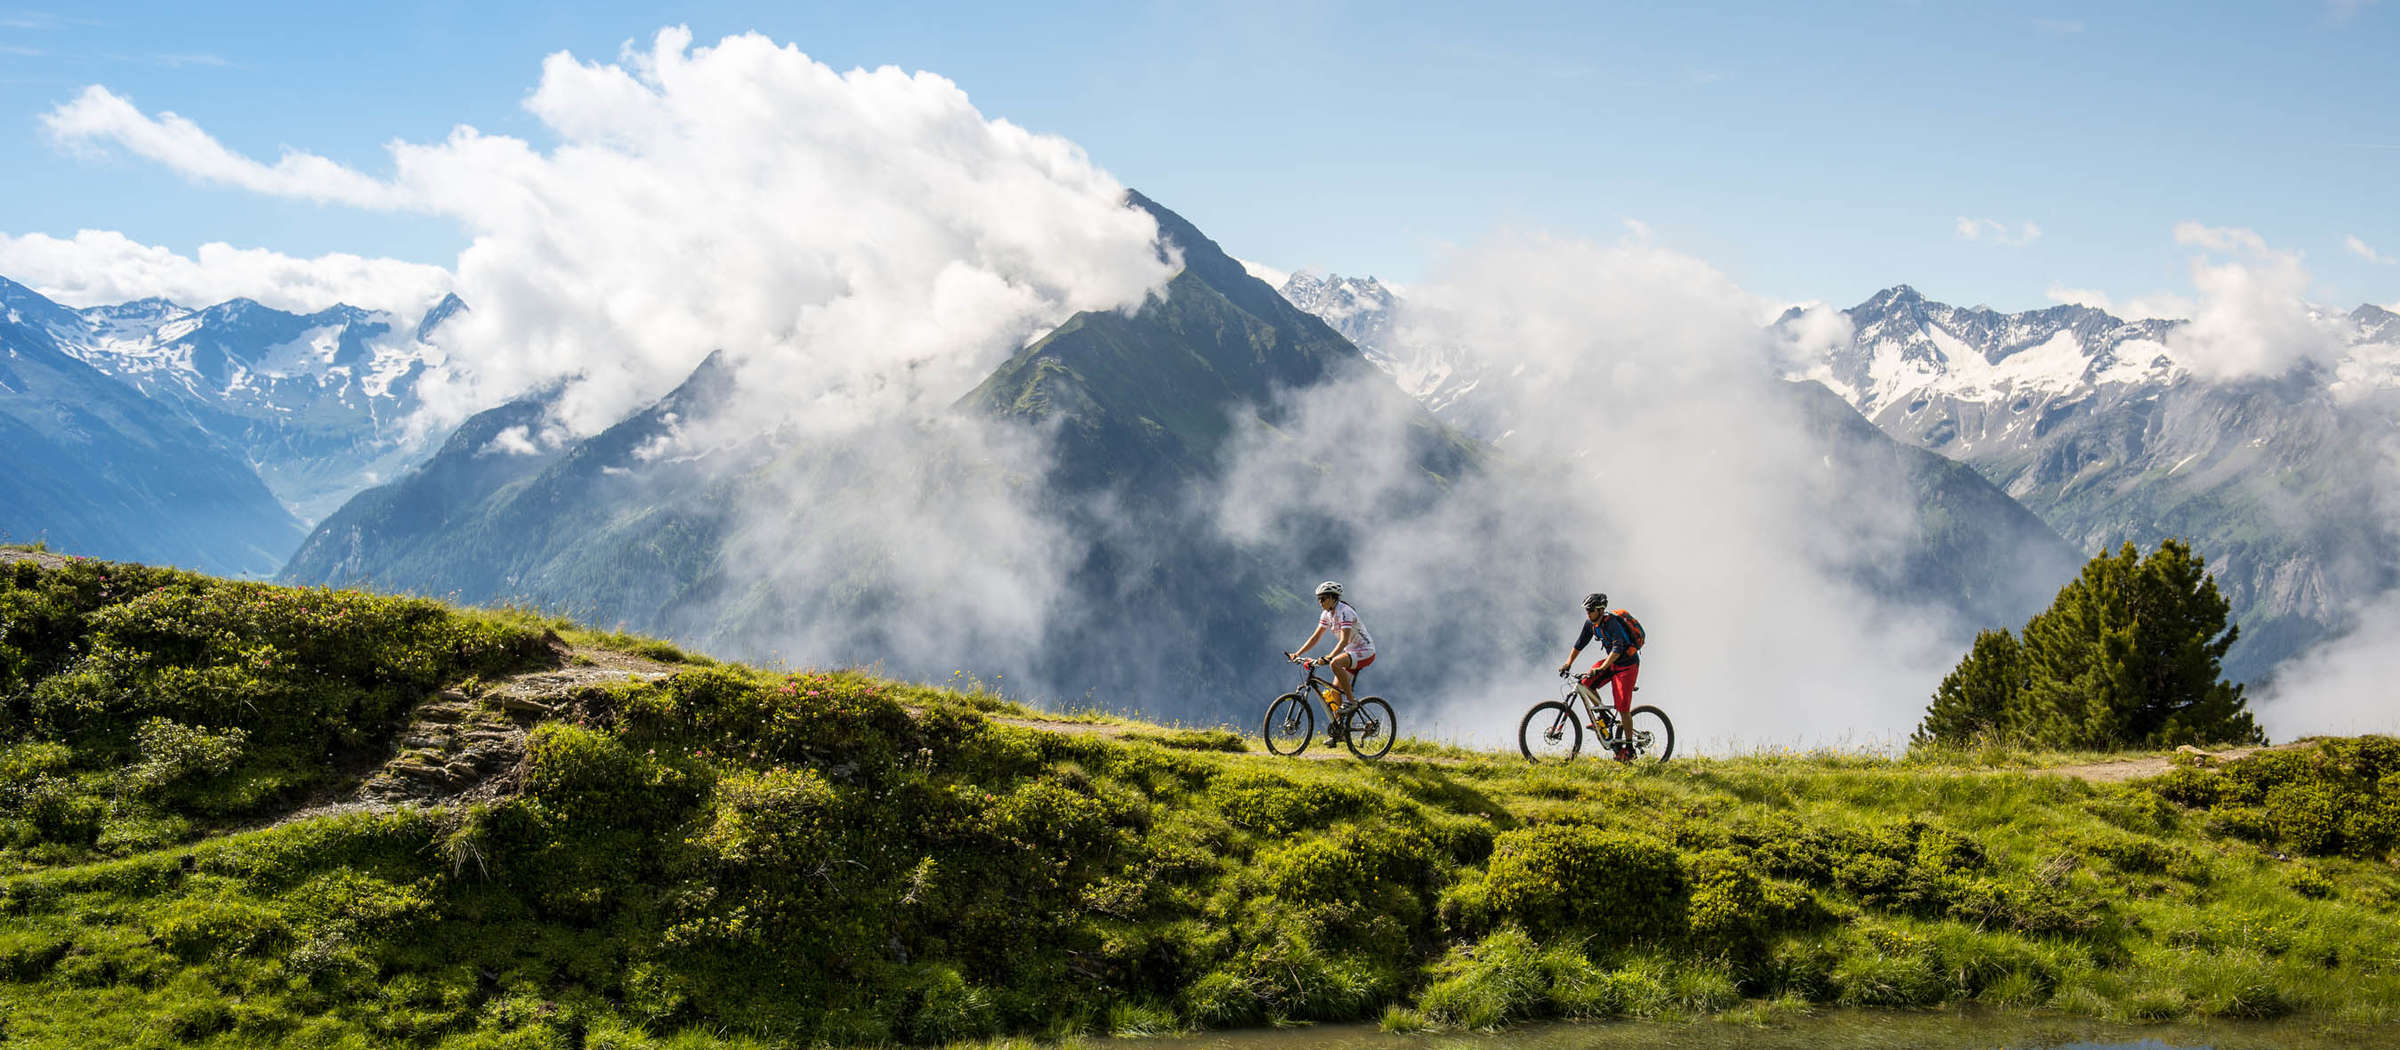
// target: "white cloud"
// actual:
[[98, 115], [98, 266], [2362, 250], [1266, 273], [1997, 232], [2343, 686], [857, 242], [2252, 316]]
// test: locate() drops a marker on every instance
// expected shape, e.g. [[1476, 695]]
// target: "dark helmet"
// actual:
[[1595, 600], [1329, 587]]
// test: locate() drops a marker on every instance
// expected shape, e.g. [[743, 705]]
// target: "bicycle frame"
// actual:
[[1315, 686], [1595, 710]]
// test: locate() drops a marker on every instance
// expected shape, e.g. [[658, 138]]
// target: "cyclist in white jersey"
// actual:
[[1352, 650]]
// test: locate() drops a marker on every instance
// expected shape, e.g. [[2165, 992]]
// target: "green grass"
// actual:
[[739, 856]]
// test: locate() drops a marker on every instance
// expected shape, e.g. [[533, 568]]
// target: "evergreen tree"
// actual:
[[2129, 655], [1978, 696]]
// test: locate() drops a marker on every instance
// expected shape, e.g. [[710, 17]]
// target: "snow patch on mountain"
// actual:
[[316, 402], [1370, 314]]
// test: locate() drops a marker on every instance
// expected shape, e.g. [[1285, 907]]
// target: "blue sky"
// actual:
[[1816, 154]]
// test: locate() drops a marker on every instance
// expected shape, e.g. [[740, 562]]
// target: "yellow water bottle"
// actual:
[[1333, 700]]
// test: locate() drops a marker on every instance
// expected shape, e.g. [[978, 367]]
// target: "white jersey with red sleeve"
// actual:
[[1340, 616]]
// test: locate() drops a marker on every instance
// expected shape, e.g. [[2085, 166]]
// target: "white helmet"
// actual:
[[1329, 587]]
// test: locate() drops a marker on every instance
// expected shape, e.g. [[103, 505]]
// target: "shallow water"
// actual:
[[1830, 1030]]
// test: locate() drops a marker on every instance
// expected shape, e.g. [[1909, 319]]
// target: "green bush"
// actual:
[[1613, 886], [1728, 910], [139, 706], [171, 752], [2340, 798], [1276, 805]]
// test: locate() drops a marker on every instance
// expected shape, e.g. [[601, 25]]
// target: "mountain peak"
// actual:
[[1896, 297], [25, 302], [450, 306]]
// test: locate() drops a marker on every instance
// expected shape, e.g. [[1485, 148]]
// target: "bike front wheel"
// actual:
[[1372, 728], [1550, 733], [1653, 735], [1290, 724]]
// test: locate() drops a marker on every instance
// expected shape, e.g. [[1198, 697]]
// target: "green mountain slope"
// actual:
[[1147, 399], [1975, 550], [734, 857], [572, 529]]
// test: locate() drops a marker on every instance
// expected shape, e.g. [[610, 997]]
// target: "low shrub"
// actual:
[[1613, 886], [2339, 798]]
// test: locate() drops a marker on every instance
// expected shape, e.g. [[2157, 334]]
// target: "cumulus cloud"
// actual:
[[1997, 232], [857, 242], [2252, 316], [100, 115], [2364, 251], [96, 267]]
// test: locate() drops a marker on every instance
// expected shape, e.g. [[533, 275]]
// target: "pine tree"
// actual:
[[2129, 655], [1981, 695]]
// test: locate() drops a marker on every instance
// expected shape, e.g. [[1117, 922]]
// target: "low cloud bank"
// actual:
[[1652, 455], [101, 267]]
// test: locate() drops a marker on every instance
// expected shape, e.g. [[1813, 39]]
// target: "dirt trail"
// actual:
[[2123, 769], [459, 745]]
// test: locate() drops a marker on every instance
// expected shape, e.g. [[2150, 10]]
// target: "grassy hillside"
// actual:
[[735, 856]]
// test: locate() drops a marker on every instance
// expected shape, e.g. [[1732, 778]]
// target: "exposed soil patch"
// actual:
[[465, 744], [44, 559], [2117, 771]]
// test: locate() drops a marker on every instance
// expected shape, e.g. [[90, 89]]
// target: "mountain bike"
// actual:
[[1366, 725], [1553, 731]]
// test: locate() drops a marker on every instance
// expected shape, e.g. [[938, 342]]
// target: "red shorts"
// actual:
[[1620, 681], [1355, 668]]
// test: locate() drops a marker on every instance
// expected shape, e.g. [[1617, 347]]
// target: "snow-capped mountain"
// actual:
[[2287, 485], [1365, 311], [313, 401], [2094, 423], [92, 466]]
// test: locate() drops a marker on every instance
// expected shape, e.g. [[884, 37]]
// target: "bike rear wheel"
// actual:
[[1372, 728], [1653, 735], [1290, 724], [1550, 733]]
